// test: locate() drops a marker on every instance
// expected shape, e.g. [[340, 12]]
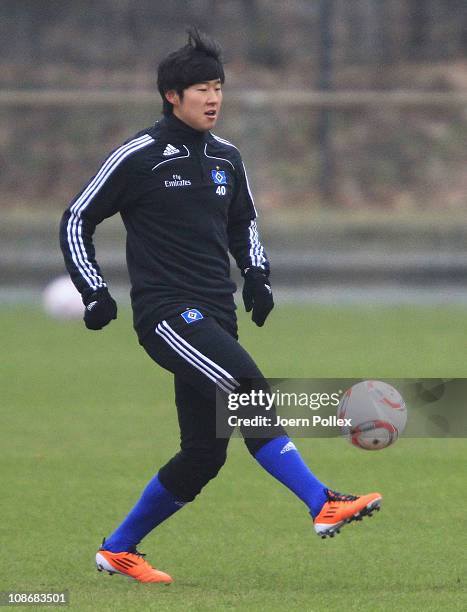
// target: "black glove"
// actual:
[[100, 309], [257, 294]]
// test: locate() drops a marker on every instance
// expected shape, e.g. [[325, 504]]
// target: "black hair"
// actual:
[[198, 61]]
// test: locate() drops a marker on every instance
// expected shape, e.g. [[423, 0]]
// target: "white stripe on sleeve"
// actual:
[[74, 226], [256, 252]]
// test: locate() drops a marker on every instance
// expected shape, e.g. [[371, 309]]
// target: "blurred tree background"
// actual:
[[299, 155]]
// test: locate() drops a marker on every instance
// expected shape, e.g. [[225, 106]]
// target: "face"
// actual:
[[200, 106]]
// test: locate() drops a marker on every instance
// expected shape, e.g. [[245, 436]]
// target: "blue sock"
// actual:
[[155, 505], [282, 460]]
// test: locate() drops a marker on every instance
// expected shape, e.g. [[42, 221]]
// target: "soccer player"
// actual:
[[185, 201]]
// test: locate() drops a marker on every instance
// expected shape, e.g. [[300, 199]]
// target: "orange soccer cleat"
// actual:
[[342, 509], [131, 564]]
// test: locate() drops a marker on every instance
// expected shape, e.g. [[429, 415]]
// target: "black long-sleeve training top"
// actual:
[[184, 198]]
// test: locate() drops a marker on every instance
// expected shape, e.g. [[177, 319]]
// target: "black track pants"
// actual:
[[202, 355]]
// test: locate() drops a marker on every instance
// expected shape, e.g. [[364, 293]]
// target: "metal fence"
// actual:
[[395, 150]]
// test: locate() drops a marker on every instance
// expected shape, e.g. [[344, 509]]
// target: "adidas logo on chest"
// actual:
[[170, 150]]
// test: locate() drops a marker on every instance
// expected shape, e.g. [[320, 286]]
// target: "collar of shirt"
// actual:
[[174, 127]]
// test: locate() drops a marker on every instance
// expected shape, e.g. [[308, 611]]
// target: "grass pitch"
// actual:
[[87, 418]]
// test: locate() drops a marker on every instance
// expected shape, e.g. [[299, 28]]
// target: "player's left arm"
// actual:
[[245, 246]]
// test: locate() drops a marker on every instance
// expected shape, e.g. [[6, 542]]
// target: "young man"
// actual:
[[184, 198]]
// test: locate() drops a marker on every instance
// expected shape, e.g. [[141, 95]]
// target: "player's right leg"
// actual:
[[201, 453], [179, 481], [118, 553], [129, 563]]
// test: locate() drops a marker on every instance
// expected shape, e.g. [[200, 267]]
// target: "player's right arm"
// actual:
[[108, 192]]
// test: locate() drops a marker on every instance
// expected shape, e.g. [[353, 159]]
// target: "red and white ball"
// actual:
[[377, 412]]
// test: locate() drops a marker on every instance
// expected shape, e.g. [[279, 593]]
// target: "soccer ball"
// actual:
[[377, 412], [61, 300]]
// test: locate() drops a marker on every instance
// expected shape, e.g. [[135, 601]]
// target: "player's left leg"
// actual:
[[275, 452], [329, 509]]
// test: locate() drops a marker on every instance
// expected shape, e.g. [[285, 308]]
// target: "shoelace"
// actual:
[[336, 496], [133, 551]]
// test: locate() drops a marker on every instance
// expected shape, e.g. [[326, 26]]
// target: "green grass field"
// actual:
[[87, 418]]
